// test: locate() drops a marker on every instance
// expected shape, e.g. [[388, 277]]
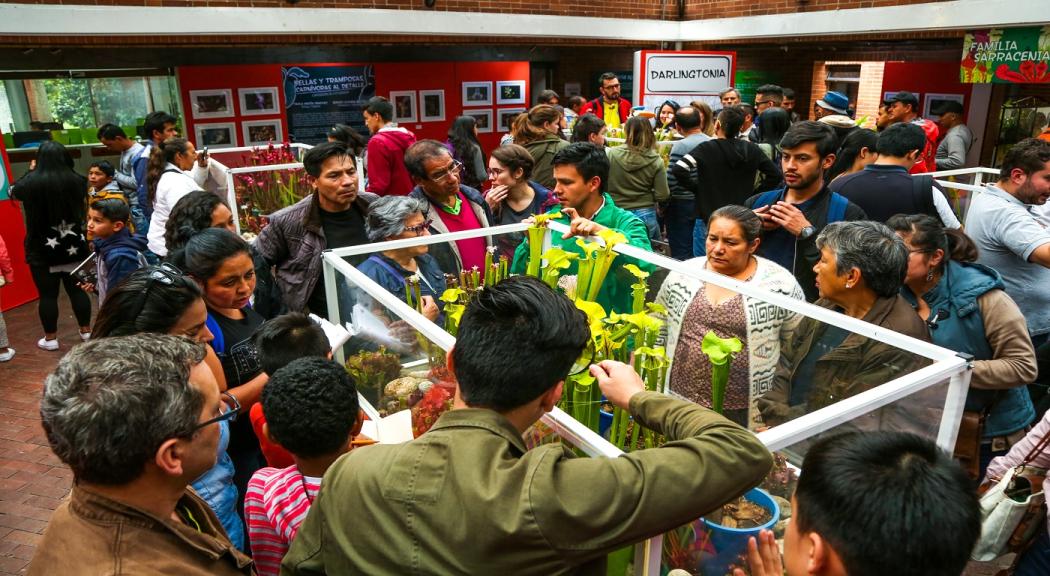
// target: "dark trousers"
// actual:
[[47, 284], [1036, 560], [679, 221]]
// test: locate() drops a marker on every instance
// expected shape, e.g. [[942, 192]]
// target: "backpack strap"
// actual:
[[766, 198], [922, 194], [837, 208], [219, 343]]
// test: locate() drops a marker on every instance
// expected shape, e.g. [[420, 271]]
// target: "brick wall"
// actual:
[[869, 93], [702, 9]]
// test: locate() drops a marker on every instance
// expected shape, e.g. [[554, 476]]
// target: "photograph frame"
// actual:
[[399, 97], [202, 140], [481, 113], [471, 95], [275, 101], [424, 95], [502, 114], [501, 87], [195, 104], [931, 99], [246, 132]]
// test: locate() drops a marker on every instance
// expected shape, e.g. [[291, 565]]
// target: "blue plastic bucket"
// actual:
[[605, 420], [730, 544]]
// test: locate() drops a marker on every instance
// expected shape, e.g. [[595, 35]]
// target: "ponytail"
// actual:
[[532, 129], [162, 155], [960, 246]]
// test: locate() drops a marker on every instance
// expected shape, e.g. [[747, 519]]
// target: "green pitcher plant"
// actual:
[[720, 353]]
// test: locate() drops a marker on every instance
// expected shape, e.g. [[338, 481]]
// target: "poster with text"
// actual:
[[319, 96], [1006, 56]]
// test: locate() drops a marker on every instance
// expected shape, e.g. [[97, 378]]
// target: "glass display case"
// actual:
[[894, 383], [260, 180]]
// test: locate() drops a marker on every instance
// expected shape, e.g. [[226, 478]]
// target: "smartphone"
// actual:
[[203, 154]]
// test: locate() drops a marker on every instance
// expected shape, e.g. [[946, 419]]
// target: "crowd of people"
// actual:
[[205, 416]]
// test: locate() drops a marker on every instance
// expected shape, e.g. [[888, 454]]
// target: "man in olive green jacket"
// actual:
[[469, 498]]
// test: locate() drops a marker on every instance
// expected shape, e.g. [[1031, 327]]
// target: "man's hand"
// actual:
[[618, 381], [86, 286], [763, 556], [789, 217], [767, 218], [579, 226], [495, 195]]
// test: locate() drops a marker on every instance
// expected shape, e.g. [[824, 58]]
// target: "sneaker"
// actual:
[[85, 336], [45, 344], [7, 355]]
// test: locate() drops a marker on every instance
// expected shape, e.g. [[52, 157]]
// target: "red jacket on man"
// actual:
[[597, 108], [928, 161], [387, 175]]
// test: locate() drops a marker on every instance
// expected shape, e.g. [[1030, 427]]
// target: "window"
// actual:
[[7, 120], [92, 102], [844, 78]]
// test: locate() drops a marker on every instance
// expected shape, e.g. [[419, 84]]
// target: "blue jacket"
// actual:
[[961, 328], [383, 269], [119, 255]]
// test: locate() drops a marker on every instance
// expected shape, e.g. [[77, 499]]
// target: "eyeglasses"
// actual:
[[610, 86], [166, 274], [761, 102], [419, 228], [444, 175], [495, 172], [229, 410]]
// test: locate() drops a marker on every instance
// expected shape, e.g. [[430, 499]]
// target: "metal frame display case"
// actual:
[[942, 384]]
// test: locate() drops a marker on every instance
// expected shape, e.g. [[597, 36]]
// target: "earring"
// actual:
[[929, 275], [848, 285]]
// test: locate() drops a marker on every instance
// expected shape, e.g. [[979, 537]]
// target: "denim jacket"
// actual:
[[216, 488]]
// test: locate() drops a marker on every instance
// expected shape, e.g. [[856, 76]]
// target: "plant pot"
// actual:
[[605, 420], [730, 544]]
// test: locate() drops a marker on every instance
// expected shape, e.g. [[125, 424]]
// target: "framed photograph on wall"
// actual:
[[404, 106], [258, 101], [262, 132], [505, 117], [512, 92], [477, 94], [482, 117], [207, 104], [933, 104], [216, 136], [432, 103]]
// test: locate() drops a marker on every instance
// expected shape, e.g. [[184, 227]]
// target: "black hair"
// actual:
[[747, 109], [353, 139], [588, 159], [288, 337], [112, 209], [311, 407], [927, 233], [110, 132], [191, 214], [1029, 155], [55, 186], [517, 339], [687, 118], [155, 123], [105, 167], [607, 76], [204, 253], [162, 155], [162, 304], [674, 106], [850, 148], [576, 100], [585, 126], [732, 120], [901, 139], [952, 106], [774, 92], [775, 123], [811, 131], [750, 223], [789, 94], [381, 106], [419, 153], [461, 135], [315, 157], [861, 491], [547, 96]]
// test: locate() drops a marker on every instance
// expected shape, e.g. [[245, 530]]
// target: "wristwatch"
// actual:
[[807, 232]]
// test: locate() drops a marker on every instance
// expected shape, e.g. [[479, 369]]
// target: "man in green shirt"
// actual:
[[581, 171], [468, 497]]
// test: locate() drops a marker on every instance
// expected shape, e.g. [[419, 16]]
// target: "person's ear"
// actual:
[[937, 257], [753, 247], [551, 397], [169, 456], [118, 225], [853, 276], [518, 174], [449, 362], [913, 156], [818, 555], [595, 184], [359, 422], [266, 434], [827, 161]]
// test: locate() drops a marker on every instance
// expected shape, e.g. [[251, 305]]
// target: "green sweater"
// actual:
[[615, 293], [637, 180], [468, 497], [543, 152]]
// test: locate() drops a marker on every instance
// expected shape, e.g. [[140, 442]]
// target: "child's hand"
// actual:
[[87, 287], [763, 556]]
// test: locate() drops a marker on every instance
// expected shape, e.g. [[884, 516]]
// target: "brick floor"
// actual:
[[33, 481]]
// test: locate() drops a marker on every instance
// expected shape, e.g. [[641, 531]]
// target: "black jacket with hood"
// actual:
[[725, 173]]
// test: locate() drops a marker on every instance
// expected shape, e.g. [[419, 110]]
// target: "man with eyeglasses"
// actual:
[[136, 419], [609, 107], [332, 217], [449, 205], [766, 96]]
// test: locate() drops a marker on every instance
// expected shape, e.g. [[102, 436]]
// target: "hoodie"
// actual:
[[387, 175], [543, 152], [725, 172], [117, 256], [637, 179]]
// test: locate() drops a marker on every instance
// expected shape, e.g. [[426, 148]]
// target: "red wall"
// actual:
[[231, 78], [925, 78], [13, 232]]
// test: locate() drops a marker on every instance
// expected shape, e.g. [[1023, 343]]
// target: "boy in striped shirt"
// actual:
[[312, 411]]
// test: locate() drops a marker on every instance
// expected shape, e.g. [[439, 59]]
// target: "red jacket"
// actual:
[[597, 108], [387, 175], [275, 454], [928, 160], [5, 261]]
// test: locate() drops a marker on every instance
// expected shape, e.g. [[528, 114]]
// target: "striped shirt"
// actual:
[[275, 505]]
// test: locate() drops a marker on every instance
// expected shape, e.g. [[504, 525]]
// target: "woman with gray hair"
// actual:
[[397, 218], [860, 274]]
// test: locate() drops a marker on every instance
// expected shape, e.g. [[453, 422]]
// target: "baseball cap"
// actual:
[[904, 97], [835, 101]]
